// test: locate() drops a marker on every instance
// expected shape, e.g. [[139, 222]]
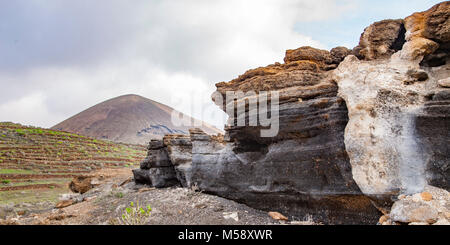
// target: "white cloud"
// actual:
[[29, 110], [169, 51]]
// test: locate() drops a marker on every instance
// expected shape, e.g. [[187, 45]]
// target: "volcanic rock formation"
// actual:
[[304, 169], [399, 129], [356, 128]]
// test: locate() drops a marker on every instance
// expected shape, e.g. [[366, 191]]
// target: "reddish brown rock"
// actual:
[[277, 216], [321, 57], [426, 196], [338, 54], [64, 204], [381, 40], [81, 184], [428, 35]]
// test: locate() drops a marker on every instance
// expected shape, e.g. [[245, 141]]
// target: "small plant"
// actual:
[[119, 195], [20, 132], [135, 215], [5, 181]]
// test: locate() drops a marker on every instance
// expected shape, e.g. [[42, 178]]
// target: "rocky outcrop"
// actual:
[[381, 40], [428, 36], [399, 128], [157, 169], [179, 149], [356, 128], [302, 170]]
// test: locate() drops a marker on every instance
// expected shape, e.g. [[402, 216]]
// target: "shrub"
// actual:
[[119, 194], [5, 181], [135, 215], [20, 132]]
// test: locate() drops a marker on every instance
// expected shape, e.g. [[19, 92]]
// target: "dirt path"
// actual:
[[178, 206]]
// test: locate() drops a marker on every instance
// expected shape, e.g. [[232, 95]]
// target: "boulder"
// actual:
[[82, 184], [427, 207], [407, 212]]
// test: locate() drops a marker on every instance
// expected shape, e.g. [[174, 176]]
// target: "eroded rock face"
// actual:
[[156, 170], [352, 132], [399, 128], [428, 36], [304, 169], [305, 166], [179, 149]]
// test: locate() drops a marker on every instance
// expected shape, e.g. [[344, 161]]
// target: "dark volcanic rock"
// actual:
[[179, 148], [433, 130], [385, 133], [142, 176], [302, 170], [157, 156], [157, 169]]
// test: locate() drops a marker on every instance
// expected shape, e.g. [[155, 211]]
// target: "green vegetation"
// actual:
[[27, 131], [35, 152], [15, 171], [135, 215]]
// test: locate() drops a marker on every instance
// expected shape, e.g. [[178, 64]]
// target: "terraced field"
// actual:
[[37, 164]]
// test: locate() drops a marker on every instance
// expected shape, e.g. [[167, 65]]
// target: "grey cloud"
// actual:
[[68, 55], [60, 33]]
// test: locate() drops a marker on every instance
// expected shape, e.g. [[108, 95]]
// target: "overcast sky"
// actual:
[[59, 57]]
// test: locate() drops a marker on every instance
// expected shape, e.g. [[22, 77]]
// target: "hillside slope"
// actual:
[[129, 119], [37, 164]]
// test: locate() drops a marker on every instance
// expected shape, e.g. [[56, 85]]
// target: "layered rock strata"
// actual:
[[302, 170], [156, 169], [356, 128]]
